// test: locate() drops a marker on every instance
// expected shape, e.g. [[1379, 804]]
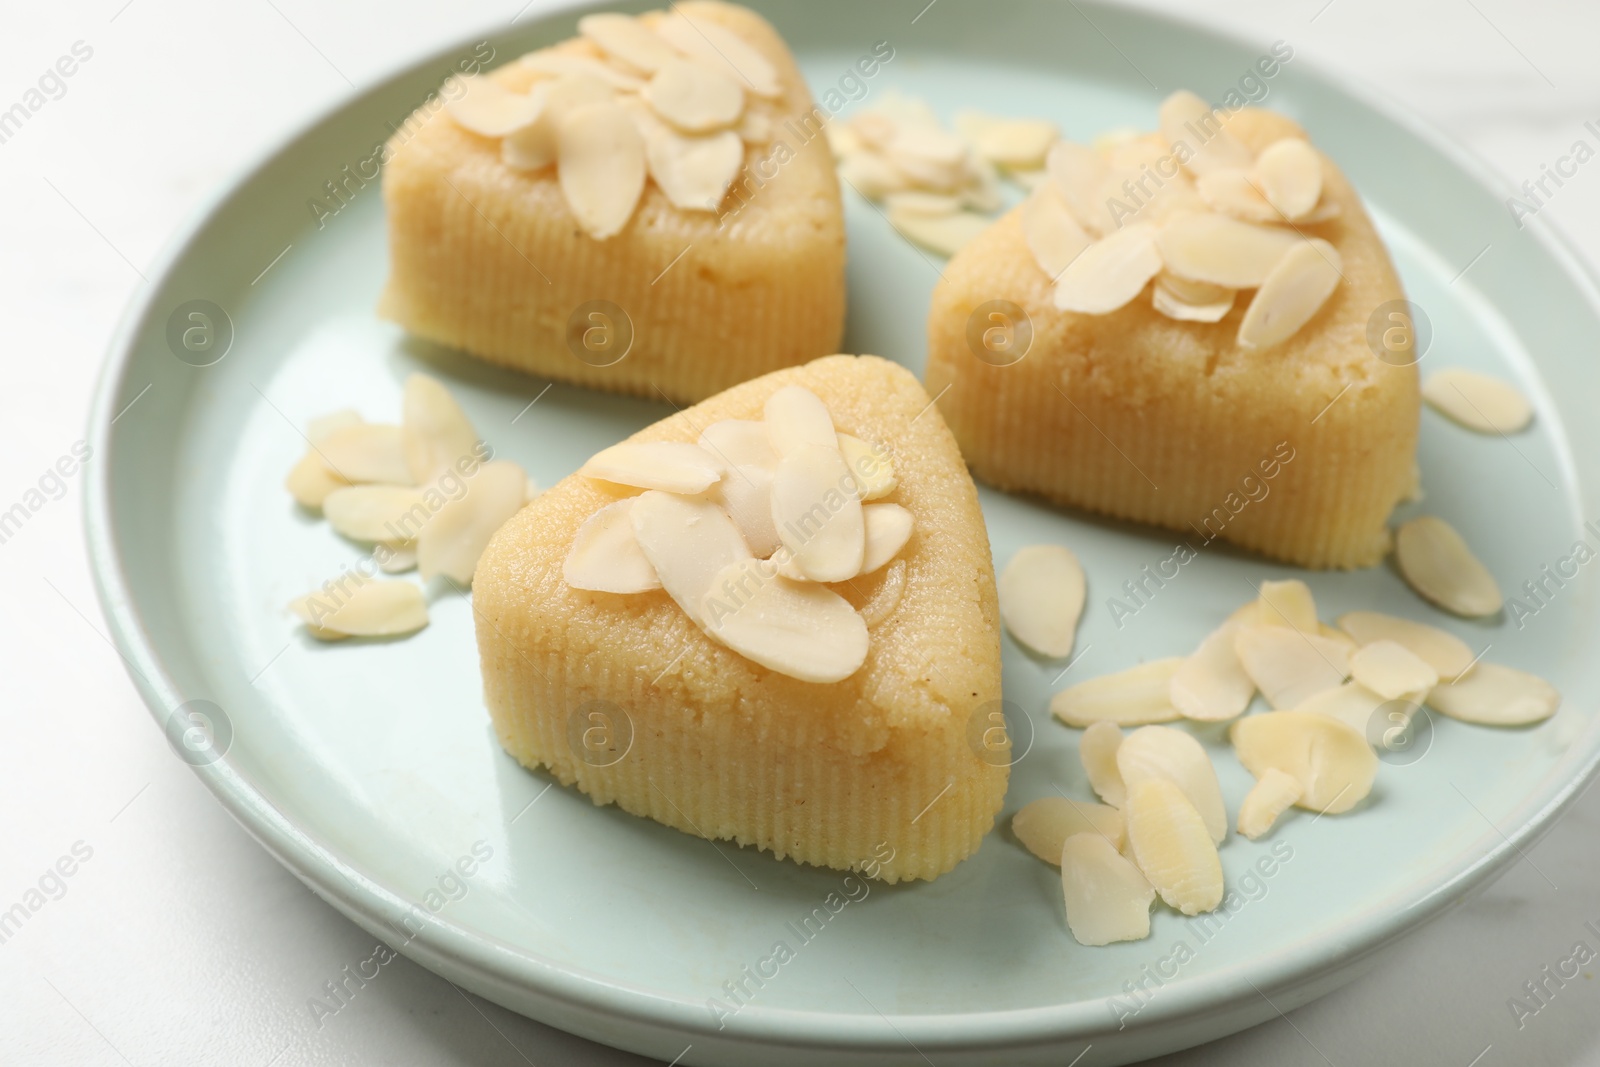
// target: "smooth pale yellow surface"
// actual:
[[1141, 417], [490, 259], [725, 748]]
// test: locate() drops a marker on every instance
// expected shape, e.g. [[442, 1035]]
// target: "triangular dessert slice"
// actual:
[[649, 208], [1197, 328], [771, 619]]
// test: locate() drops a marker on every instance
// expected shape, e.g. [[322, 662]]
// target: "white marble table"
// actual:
[[178, 940]]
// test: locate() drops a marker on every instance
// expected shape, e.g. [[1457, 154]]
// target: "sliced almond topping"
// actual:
[[310, 481], [1289, 666], [627, 39], [1194, 132], [489, 109], [689, 542], [1107, 898], [1044, 825], [1173, 847], [435, 433], [1207, 247], [1079, 173], [1291, 294], [873, 470], [740, 442], [601, 165], [1041, 598], [605, 555], [1477, 401], [946, 234], [1351, 703], [1444, 652], [694, 97], [366, 452], [1493, 695], [1186, 301], [1290, 174], [693, 172], [755, 127], [1132, 697], [376, 512], [887, 597], [1008, 142], [396, 557], [931, 205], [671, 466], [559, 63], [871, 175], [799, 629], [817, 513], [721, 49], [368, 609], [888, 528], [459, 531], [1269, 798], [1437, 563], [1163, 752], [797, 418], [1211, 685], [1331, 760], [1097, 751], [1054, 237], [534, 146], [1288, 603], [1234, 192], [1110, 272], [1391, 670], [745, 493]]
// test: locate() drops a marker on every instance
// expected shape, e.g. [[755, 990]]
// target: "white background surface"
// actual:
[[182, 942]]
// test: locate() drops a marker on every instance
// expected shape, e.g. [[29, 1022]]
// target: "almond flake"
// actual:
[[459, 531], [740, 443], [929, 205], [693, 172], [1351, 703], [1207, 247], [1186, 301], [1008, 142], [1107, 898], [396, 557], [888, 528], [1211, 685], [366, 452], [694, 97], [1041, 598], [1330, 759], [1334, 634], [927, 144], [1287, 603], [489, 109], [1437, 563], [1391, 670], [1289, 666], [871, 175], [818, 516], [627, 39], [435, 434], [1269, 798], [1029, 179], [1444, 652], [1079, 174], [601, 165], [671, 466], [1290, 174], [560, 63], [1109, 273], [1132, 697], [1493, 695], [799, 629], [323, 426], [1477, 401], [1173, 847], [945, 235], [745, 493], [1044, 825], [370, 609], [534, 146], [843, 140], [375, 512], [1291, 294], [1097, 751], [723, 50], [688, 541], [1194, 132], [1054, 236], [871, 466], [755, 127], [310, 481], [1234, 192], [887, 597], [605, 555], [796, 418], [1163, 752]]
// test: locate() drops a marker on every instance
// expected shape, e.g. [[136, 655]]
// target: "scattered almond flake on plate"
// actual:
[[1164, 752], [740, 442], [1351, 703], [1107, 898], [1186, 301], [319, 428], [818, 518], [799, 629], [1391, 670], [1289, 172], [946, 234], [1288, 666], [1207, 247], [1109, 273], [1173, 847], [1477, 401], [1234, 192], [369, 609], [376, 512], [1333, 633], [1044, 825], [694, 97], [1211, 685], [1012, 143], [1132, 697], [559, 63], [1195, 134], [745, 493], [1041, 598], [1444, 652], [1272, 795], [1331, 760], [870, 465], [721, 49], [1493, 695], [310, 481], [459, 531], [888, 528], [887, 597], [1287, 603], [395, 557], [366, 452], [1292, 294], [601, 166], [871, 175], [489, 109], [1437, 563], [1097, 751], [605, 555], [435, 434], [1029, 179], [1079, 174], [671, 466], [627, 39], [1054, 236], [915, 202], [796, 417]]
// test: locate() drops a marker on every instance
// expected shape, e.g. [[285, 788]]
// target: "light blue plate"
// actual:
[[370, 769]]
